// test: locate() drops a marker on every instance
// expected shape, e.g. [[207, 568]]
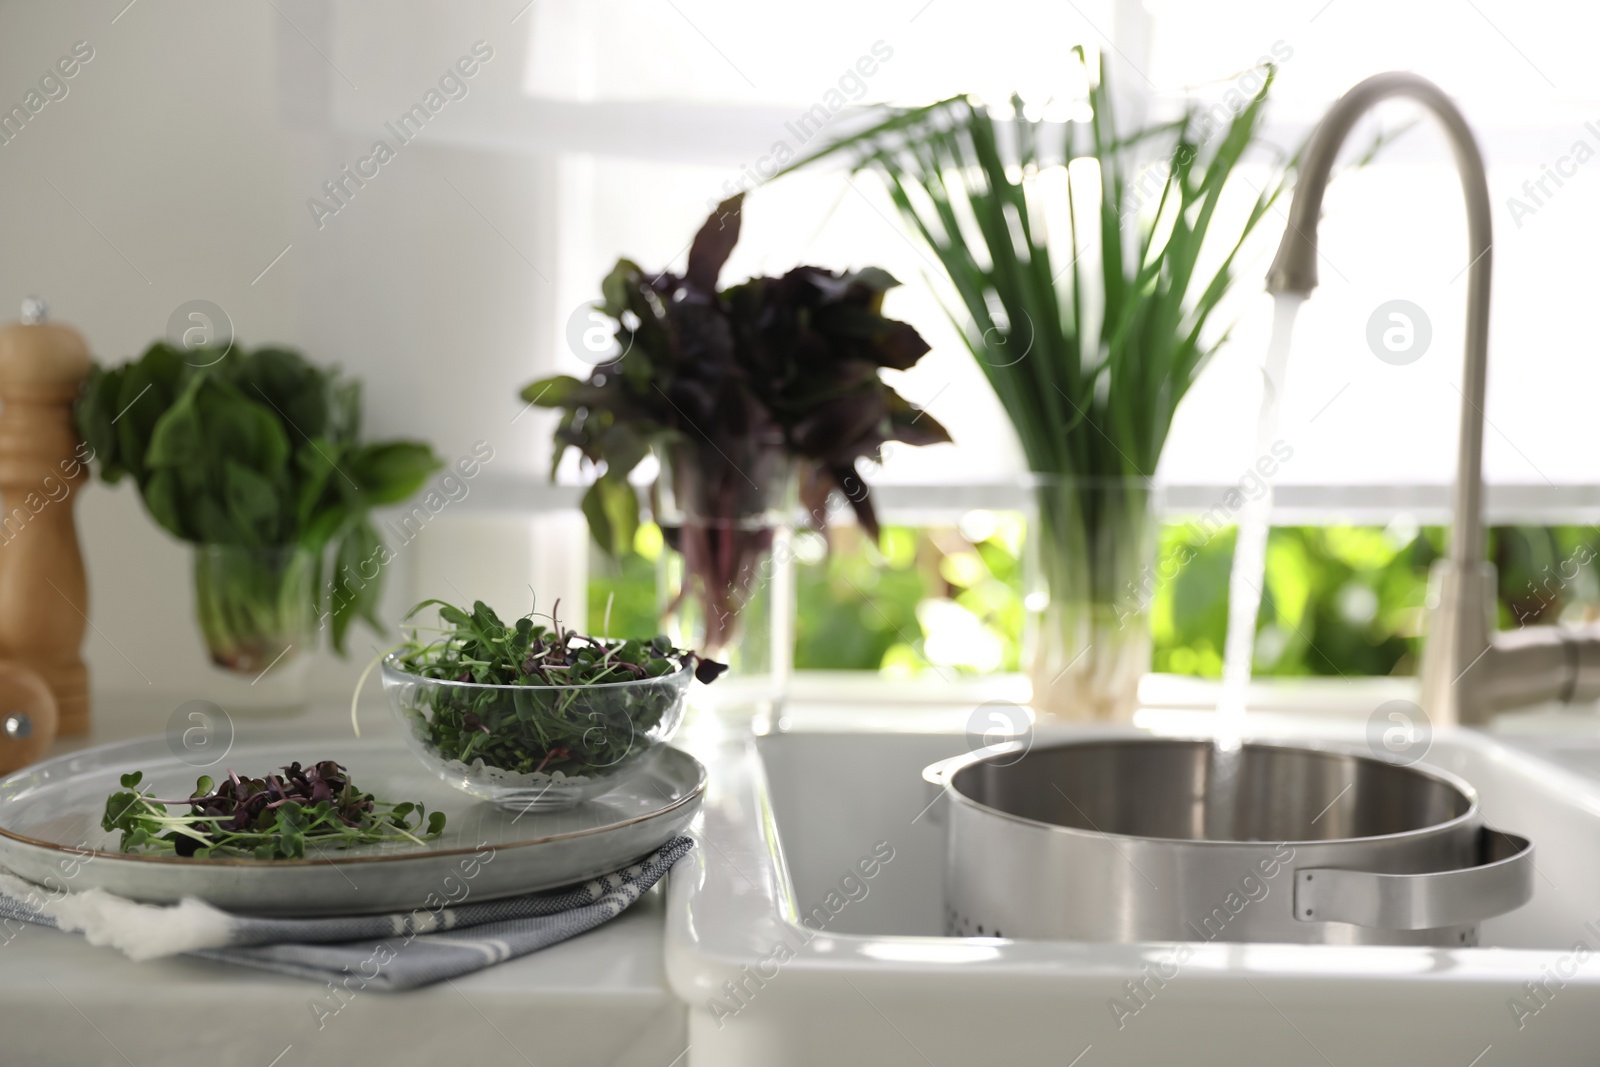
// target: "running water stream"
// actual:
[[1248, 577]]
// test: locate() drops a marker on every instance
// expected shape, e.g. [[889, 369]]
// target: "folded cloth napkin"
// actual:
[[380, 952]]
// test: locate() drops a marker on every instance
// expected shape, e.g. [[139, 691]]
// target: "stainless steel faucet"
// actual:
[[1469, 670]]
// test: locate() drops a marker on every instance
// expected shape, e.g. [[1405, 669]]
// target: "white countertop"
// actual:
[[598, 999], [602, 998]]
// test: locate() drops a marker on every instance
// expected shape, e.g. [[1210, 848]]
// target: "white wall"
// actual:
[[190, 144]]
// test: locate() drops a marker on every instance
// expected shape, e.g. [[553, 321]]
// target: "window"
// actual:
[[1394, 229], [643, 113]]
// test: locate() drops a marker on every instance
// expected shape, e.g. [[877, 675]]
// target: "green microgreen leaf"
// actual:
[[278, 816], [533, 705]]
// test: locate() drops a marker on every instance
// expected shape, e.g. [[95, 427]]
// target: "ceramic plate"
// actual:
[[50, 832]]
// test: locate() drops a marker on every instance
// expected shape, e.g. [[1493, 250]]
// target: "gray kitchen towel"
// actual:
[[378, 952]]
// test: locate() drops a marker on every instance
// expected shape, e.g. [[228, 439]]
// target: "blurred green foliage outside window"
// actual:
[[1338, 600]]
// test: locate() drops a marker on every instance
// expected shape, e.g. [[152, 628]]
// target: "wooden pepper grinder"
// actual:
[[44, 600], [27, 717]]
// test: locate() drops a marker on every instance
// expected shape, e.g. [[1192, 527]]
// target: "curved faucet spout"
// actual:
[[1468, 670], [1295, 268]]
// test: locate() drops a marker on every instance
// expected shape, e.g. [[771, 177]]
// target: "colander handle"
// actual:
[[1501, 881], [937, 775]]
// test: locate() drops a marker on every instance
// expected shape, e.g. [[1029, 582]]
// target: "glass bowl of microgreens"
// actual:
[[529, 714]]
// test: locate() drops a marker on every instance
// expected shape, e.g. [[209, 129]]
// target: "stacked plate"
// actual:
[[50, 833]]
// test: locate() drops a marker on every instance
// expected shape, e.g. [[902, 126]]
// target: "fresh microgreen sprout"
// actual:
[[274, 817], [547, 723]]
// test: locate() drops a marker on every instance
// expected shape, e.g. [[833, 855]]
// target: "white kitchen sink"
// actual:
[[795, 816]]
